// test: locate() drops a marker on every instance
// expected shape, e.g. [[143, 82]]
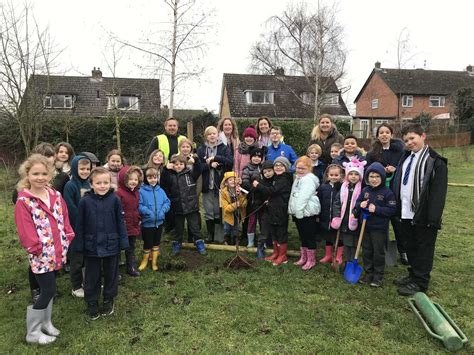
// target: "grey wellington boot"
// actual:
[[34, 320], [48, 327]]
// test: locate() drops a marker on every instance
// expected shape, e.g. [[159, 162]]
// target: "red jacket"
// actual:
[[44, 232], [129, 200]]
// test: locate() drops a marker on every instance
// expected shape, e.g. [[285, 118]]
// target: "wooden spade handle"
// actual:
[[361, 235]]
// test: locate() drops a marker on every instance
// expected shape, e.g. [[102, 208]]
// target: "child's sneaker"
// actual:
[[107, 308], [79, 292], [93, 310], [366, 279], [376, 283]]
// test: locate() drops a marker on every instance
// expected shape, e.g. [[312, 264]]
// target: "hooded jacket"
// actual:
[[229, 201], [430, 208], [303, 199], [153, 205], [75, 189], [327, 195], [282, 150], [182, 188], [278, 196], [225, 160], [100, 230], [342, 157], [129, 200], [45, 232], [381, 196]]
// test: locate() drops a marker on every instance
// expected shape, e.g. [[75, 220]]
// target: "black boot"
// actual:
[[210, 230], [130, 261], [227, 239]]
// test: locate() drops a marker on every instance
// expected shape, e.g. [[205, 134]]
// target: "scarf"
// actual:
[[419, 177], [211, 152]]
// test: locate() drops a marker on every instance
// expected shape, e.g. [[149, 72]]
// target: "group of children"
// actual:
[[100, 211]]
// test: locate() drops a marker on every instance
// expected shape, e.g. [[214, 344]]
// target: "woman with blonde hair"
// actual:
[[325, 134]]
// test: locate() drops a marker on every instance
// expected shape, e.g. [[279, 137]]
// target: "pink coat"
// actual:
[[44, 232], [240, 162]]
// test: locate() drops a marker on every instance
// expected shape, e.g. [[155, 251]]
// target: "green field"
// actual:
[[211, 309]]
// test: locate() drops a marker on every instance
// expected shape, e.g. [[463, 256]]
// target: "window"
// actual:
[[364, 127], [58, 101], [407, 101], [375, 103], [377, 122], [437, 101], [307, 98], [259, 97], [331, 99], [126, 103]]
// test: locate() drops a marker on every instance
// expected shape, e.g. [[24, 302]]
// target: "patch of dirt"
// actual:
[[187, 260], [237, 262]]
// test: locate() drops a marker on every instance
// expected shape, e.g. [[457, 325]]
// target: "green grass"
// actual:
[[262, 310]]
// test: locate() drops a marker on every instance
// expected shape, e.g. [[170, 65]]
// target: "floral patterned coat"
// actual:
[[44, 232]]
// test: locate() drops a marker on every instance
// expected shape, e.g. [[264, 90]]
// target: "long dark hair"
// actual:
[[377, 147]]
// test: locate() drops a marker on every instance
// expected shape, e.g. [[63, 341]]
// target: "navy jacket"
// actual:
[[100, 229], [381, 196], [390, 156], [225, 160], [319, 170], [341, 158], [327, 195]]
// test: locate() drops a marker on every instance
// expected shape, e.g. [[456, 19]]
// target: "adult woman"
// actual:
[[388, 151], [228, 133], [264, 125], [326, 134]]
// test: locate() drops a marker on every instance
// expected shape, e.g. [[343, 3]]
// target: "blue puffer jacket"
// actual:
[[100, 229], [282, 150], [381, 196], [153, 205], [303, 199]]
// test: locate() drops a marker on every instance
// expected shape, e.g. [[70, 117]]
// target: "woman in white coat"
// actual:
[[304, 206]]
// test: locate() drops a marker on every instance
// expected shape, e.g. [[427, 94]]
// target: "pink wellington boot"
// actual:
[[303, 257], [311, 260], [328, 257], [339, 253]]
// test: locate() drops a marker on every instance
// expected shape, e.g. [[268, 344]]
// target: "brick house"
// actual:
[[389, 94], [277, 96], [97, 96]]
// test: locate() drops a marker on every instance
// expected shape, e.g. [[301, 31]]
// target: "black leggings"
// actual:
[[32, 279], [151, 237], [306, 227], [47, 285]]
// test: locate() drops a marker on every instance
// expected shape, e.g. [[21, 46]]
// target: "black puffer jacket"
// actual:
[[181, 189], [278, 195], [433, 194], [327, 195]]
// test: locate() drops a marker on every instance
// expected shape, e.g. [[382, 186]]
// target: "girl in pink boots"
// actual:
[[327, 193], [304, 206]]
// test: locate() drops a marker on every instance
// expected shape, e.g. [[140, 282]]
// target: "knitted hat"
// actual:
[[250, 132], [267, 164], [256, 152], [355, 165], [282, 160]]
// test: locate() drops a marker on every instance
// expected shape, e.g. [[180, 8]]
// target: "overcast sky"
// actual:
[[441, 34]]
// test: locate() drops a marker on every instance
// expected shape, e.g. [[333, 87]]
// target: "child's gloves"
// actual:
[[336, 222], [353, 223]]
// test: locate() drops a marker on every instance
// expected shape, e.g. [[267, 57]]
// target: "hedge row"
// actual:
[[98, 135]]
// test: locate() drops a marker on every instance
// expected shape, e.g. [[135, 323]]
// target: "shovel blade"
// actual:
[[352, 272]]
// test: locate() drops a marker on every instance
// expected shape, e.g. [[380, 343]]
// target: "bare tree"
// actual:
[[303, 42], [175, 51], [25, 51]]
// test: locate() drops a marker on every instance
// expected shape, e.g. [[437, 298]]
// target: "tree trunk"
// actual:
[[173, 58], [117, 132]]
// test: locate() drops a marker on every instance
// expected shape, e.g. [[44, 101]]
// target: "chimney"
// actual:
[[96, 74], [377, 65], [469, 69], [280, 71]]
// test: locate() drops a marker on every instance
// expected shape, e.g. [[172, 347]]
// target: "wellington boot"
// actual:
[[282, 259], [303, 257], [154, 255], [339, 253], [311, 260], [274, 254], [48, 327], [328, 256], [34, 321], [144, 263]]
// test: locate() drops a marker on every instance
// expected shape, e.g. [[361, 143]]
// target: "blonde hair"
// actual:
[[208, 130], [316, 147], [185, 141], [99, 170], [26, 166], [235, 129], [306, 161], [150, 163], [316, 133]]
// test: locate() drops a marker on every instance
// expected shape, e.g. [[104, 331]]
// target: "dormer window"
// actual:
[[307, 98], [331, 99], [259, 97], [123, 102], [58, 101]]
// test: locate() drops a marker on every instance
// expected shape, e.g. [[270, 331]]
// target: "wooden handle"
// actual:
[[361, 236]]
